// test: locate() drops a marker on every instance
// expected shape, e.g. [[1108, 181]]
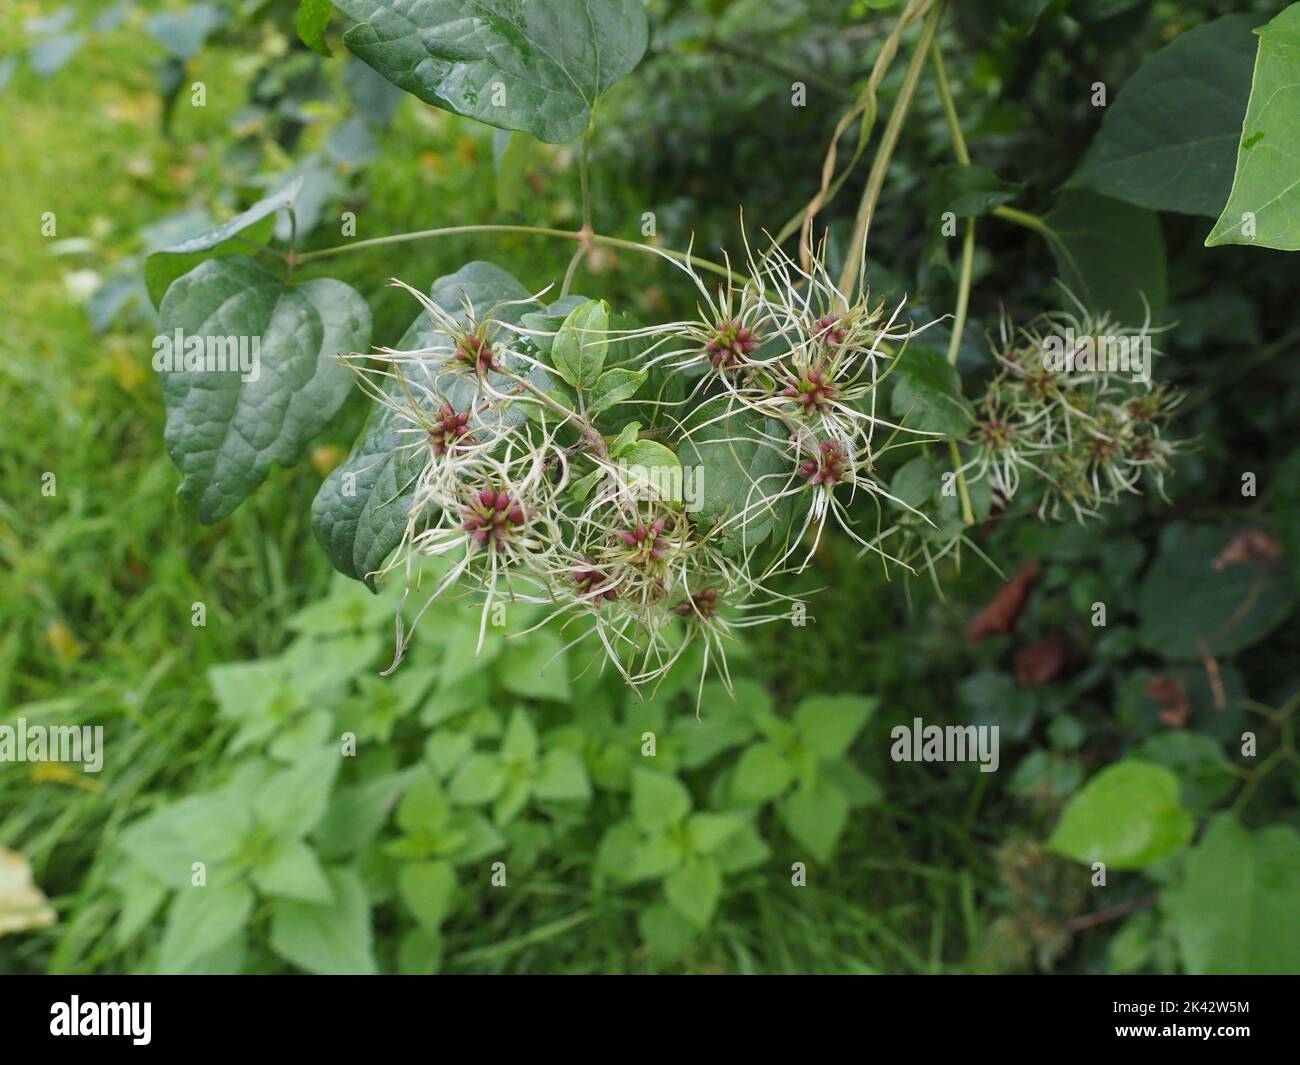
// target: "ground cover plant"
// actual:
[[693, 403]]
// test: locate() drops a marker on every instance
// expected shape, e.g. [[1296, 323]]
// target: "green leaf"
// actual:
[[614, 387], [578, 352], [294, 800], [927, 393], [739, 474], [762, 773], [519, 744], [667, 934], [356, 814], [693, 890], [427, 889], [1264, 205], [223, 432], [707, 832], [828, 723], [1193, 602], [968, 191], [1109, 254], [1234, 911], [360, 512], [481, 778], [562, 778], [331, 938], [142, 893], [290, 870], [536, 667], [254, 225], [658, 800], [313, 18], [208, 829], [744, 850], [535, 67], [200, 921], [815, 816], [1127, 816], [1167, 140]]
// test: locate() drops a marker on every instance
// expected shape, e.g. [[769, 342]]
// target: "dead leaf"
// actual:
[[1249, 545], [22, 904], [1040, 661], [1172, 695], [1004, 608]]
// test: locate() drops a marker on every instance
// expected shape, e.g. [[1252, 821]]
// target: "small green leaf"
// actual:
[[1127, 816], [626, 439], [614, 387], [762, 773], [815, 816], [694, 889], [200, 921], [427, 889], [828, 723], [562, 778], [330, 938], [578, 352], [293, 801], [290, 870], [481, 778], [667, 934], [207, 829], [658, 800], [707, 832], [968, 191], [536, 667]]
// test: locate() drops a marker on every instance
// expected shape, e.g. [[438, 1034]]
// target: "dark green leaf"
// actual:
[[223, 432], [1110, 255], [536, 66], [1167, 140]]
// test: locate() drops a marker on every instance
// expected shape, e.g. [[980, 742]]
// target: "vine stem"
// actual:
[[888, 141], [865, 105], [539, 231], [967, 261]]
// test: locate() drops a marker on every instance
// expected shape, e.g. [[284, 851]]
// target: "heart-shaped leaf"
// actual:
[[249, 373]]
